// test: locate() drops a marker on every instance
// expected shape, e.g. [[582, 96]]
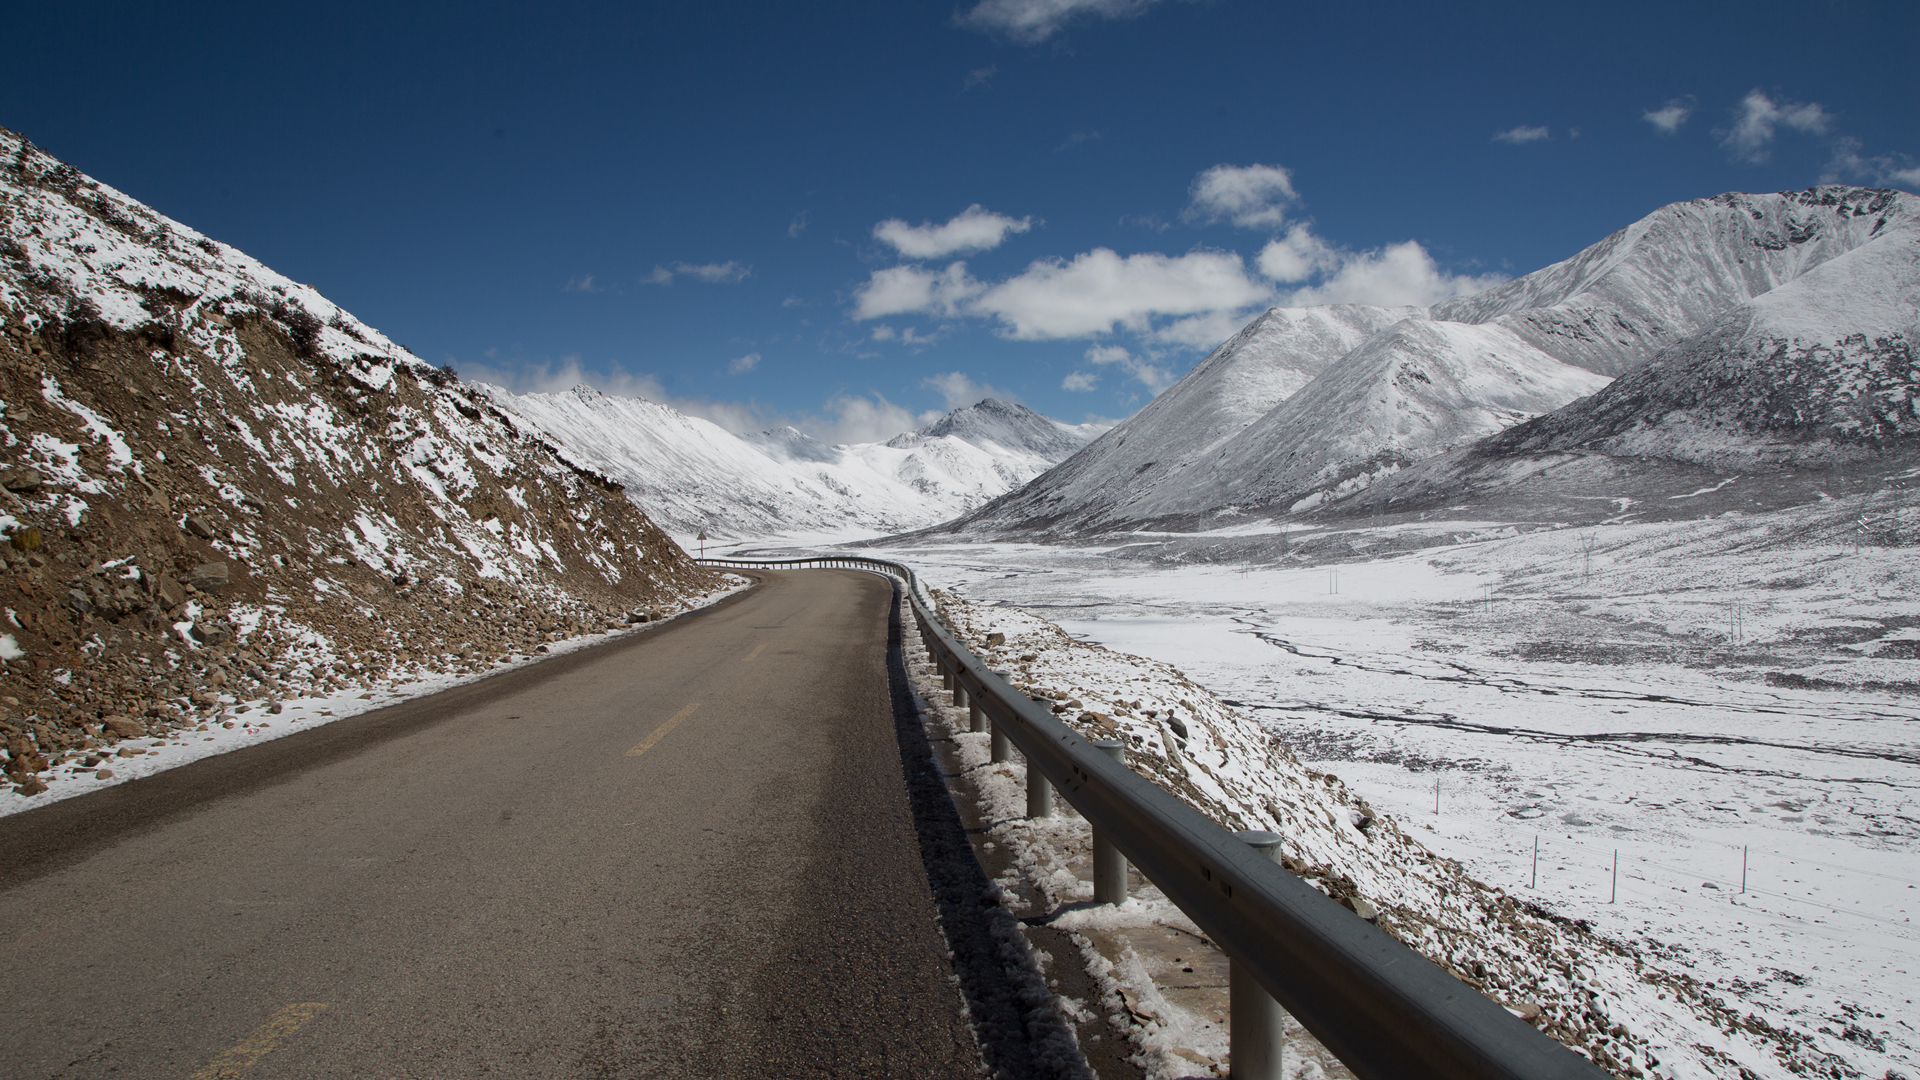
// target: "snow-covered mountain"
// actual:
[[1389, 393], [694, 476], [219, 486], [1120, 476], [1817, 371]]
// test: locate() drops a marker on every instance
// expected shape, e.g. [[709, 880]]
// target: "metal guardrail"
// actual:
[[1385, 1011]]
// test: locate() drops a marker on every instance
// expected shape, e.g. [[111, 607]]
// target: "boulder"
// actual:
[[200, 527], [125, 727], [207, 577], [22, 481], [168, 591]]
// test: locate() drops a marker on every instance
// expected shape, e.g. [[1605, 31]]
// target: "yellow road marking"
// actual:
[[660, 732], [230, 1065], [755, 652]]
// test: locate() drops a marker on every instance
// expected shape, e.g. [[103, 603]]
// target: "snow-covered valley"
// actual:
[[1734, 718]]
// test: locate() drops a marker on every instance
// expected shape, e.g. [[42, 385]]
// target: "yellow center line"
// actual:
[[755, 652], [232, 1064], [660, 732]]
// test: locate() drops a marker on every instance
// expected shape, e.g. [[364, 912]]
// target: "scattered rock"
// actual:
[[22, 482], [168, 591], [125, 727], [25, 540], [103, 774], [199, 527], [996, 639], [31, 786], [207, 577]]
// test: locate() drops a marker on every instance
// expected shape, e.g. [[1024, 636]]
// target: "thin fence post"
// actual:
[[959, 691], [1257, 1025], [1109, 865], [976, 720], [1002, 747]]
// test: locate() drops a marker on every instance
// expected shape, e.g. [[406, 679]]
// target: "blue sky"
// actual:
[[845, 215]]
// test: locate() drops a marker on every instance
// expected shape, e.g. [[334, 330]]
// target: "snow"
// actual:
[[1599, 690], [693, 476], [1307, 406]]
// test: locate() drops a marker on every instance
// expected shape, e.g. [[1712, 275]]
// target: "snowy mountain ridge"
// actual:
[[694, 476], [1386, 391]]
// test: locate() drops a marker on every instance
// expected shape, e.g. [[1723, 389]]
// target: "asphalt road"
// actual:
[[686, 853]]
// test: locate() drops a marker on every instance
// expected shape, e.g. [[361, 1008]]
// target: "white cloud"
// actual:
[[793, 301], [1250, 196], [853, 419], [726, 273], [959, 391], [897, 290], [1400, 273], [978, 77], [1155, 377], [1032, 21], [1100, 290], [1075, 139], [1756, 120], [797, 226], [1667, 118], [1849, 164], [1080, 381], [1523, 134], [743, 364], [1297, 256], [581, 283], [974, 229]]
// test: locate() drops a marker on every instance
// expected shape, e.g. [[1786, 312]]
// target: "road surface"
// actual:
[[688, 852]]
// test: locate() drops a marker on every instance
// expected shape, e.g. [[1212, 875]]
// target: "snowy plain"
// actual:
[[1733, 717]]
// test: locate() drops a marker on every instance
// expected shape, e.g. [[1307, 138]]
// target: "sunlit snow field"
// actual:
[[1590, 691]]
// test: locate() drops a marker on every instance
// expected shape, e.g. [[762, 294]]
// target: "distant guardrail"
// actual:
[[1385, 1011]]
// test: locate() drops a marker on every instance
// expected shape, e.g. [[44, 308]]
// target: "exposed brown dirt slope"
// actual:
[[217, 487]]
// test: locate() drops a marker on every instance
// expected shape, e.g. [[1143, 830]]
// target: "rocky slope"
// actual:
[[221, 489], [1688, 273]]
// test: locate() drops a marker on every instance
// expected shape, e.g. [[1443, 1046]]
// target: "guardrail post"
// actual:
[[1039, 792], [946, 677], [1109, 866], [1257, 1025], [976, 720], [1002, 747], [959, 691]]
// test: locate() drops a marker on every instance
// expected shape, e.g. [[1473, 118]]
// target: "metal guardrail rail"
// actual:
[[1384, 1010]]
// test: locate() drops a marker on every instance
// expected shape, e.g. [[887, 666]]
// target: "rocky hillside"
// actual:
[[219, 488]]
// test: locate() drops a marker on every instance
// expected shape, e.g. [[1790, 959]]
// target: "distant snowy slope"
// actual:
[[1819, 370], [1668, 275], [695, 476], [1410, 393], [1267, 361]]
